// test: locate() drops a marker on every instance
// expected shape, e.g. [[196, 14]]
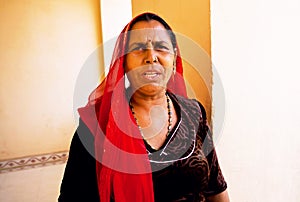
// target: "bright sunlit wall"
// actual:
[[255, 49]]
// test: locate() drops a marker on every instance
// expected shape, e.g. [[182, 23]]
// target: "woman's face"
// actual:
[[150, 58]]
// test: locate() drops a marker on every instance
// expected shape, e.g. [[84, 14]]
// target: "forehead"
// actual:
[[149, 30]]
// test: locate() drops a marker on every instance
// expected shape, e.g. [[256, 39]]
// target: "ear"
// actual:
[[175, 51]]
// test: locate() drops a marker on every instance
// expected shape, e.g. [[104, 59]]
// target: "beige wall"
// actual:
[[191, 20], [256, 52], [43, 46]]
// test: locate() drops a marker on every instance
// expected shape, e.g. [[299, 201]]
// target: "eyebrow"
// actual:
[[143, 43]]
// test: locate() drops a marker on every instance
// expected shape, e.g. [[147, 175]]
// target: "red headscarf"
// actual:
[[122, 166]]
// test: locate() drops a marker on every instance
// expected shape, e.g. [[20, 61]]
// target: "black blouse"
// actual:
[[185, 168]]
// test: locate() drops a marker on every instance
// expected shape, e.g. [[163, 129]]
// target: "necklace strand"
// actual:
[[169, 116]]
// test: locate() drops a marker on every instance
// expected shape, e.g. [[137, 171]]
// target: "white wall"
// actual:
[[115, 14], [255, 47]]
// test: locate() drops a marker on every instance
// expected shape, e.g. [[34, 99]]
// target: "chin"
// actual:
[[152, 89]]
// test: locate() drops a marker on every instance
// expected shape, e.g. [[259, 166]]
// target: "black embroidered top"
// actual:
[[185, 168]]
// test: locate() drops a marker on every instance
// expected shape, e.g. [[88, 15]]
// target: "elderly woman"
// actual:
[[145, 141]]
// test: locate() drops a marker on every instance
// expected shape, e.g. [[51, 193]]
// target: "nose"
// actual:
[[150, 56]]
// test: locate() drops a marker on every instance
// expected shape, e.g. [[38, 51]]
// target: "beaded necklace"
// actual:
[[169, 116]]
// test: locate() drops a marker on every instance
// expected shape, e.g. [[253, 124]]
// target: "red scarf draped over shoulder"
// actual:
[[122, 166]]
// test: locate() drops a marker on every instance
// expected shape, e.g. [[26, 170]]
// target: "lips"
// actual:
[[151, 75]]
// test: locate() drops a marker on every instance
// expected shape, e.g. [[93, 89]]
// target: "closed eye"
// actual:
[[162, 46], [137, 47]]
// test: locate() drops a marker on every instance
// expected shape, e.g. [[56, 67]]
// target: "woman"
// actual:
[[147, 141]]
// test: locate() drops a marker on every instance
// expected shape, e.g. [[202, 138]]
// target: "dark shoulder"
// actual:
[[190, 106]]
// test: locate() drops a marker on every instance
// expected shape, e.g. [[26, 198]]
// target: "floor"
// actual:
[[31, 185]]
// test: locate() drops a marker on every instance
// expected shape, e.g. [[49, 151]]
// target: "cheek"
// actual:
[[131, 63], [169, 71], [168, 61]]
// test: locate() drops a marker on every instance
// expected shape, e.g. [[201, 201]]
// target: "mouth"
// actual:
[[151, 75]]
